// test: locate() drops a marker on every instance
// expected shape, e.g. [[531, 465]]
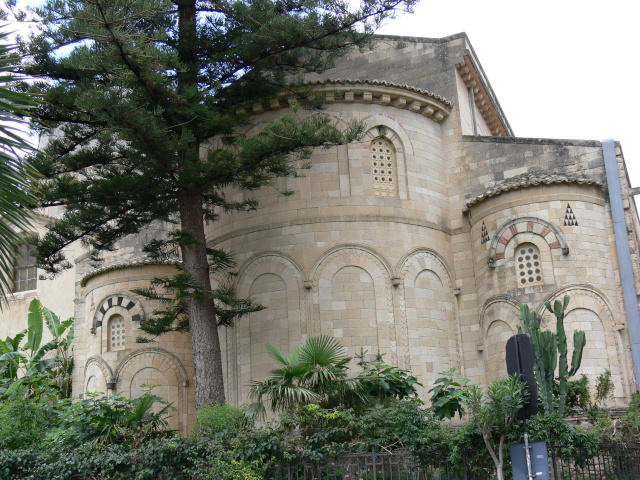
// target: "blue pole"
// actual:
[[624, 254]]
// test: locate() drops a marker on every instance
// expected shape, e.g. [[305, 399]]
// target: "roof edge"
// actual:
[[532, 141], [402, 38]]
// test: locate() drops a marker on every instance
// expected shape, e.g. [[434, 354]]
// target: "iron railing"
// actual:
[[385, 465], [610, 462]]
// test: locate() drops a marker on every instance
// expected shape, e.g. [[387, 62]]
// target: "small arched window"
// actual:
[[116, 337], [383, 168], [528, 265]]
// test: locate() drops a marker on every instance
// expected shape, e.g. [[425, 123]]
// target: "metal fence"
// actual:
[[608, 462], [386, 465]]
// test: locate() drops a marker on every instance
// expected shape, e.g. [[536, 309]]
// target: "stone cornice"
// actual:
[[483, 97], [128, 264], [375, 92], [524, 181]]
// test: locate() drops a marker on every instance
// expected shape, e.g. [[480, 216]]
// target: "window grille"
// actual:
[[116, 333], [383, 168], [528, 265]]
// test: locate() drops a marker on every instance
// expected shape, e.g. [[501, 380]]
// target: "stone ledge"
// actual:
[[532, 141], [545, 198], [331, 219], [130, 264], [525, 181], [376, 92]]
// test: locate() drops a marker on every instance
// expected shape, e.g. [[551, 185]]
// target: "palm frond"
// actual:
[[15, 176], [275, 354], [323, 351]]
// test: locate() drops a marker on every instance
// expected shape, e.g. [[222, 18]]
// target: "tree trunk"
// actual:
[[205, 342], [497, 461]]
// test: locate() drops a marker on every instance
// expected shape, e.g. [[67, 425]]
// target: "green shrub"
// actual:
[[216, 420], [220, 468], [551, 427], [627, 427], [24, 422], [166, 458], [112, 420], [406, 424]]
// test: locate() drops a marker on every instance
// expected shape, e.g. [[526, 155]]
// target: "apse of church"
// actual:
[[419, 241]]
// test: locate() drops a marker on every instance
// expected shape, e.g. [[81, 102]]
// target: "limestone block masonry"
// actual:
[[420, 241]]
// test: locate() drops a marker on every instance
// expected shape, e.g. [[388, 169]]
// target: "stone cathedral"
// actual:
[[419, 242]]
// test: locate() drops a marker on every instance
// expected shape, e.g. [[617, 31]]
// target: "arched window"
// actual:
[[383, 168], [528, 265], [116, 337]]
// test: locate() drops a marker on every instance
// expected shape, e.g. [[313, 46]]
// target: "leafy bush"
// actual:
[[325, 432], [578, 394], [550, 426], [24, 422], [219, 421], [447, 395], [219, 468], [382, 383], [112, 420], [625, 429], [405, 424], [168, 458], [274, 442]]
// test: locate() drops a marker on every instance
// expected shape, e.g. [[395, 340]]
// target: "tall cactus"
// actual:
[[545, 351], [546, 346], [579, 341]]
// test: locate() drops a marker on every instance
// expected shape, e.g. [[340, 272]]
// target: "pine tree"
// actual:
[[132, 89]]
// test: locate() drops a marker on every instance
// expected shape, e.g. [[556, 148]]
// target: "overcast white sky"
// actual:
[[560, 69]]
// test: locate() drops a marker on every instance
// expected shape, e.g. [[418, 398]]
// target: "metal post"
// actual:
[[375, 470], [618, 467], [629, 293], [527, 451], [473, 112], [553, 461], [464, 463]]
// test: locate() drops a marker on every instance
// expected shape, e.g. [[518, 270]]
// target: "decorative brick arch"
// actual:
[[396, 132], [293, 276], [377, 267], [587, 297], [166, 363], [415, 262], [500, 309], [97, 365], [551, 234], [123, 303]]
